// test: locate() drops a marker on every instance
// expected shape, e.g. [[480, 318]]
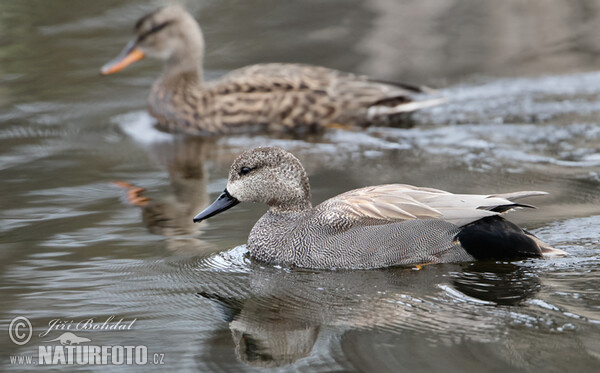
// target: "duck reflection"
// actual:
[[274, 340], [280, 322], [499, 283], [266, 333], [170, 216]]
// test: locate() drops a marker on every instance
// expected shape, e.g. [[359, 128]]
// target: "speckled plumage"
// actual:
[[272, 97], [371, 227]]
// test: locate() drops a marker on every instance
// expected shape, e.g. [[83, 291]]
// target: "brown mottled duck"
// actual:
[[274, 97]]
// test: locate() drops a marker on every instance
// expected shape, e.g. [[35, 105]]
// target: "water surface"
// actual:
[[523, 116]]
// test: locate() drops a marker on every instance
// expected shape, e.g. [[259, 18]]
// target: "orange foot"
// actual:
[[134, 193], [419, 267], [339, 126]]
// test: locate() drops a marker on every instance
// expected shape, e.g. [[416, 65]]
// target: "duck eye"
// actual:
[[153, 30], [245, 170]]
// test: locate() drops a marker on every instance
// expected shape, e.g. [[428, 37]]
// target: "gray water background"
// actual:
[[524, 85]]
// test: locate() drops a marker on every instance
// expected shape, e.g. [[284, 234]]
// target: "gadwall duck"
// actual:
[[372, 227], [272, 97]]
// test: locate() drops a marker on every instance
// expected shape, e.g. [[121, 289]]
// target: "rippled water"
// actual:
[[523, 115]]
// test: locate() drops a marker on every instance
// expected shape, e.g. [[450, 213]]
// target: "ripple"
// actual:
[[506, 145], [234, 260], [24, 132], [578, 233], [518, 100]]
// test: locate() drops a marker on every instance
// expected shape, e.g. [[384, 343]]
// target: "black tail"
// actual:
[[409, 87], [495, 238]]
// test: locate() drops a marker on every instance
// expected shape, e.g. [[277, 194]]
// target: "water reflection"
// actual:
[[263, 335], [496, 283], [276, 317], [70, 249], [171, 215]]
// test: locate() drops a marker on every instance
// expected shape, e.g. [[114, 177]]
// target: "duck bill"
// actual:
[[130, 54], [224, 202]]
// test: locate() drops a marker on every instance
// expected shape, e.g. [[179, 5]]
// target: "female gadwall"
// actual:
[[371, 227], [266, 97]]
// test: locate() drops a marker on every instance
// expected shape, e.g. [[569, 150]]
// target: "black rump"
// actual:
[[495, 238]]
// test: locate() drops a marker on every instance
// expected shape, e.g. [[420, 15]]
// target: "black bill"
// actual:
[[224, 202]]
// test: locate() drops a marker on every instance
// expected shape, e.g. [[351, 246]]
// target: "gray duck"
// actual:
[[372, 227], [273, 97]]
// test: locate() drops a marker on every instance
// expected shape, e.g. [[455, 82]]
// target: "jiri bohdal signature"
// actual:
[[92, 323]]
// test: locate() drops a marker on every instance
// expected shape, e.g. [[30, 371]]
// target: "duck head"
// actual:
[[169, 34], [268, 175]]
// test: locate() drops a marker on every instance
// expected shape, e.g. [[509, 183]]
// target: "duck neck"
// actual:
[[297, 199], [175, 94], [293, 205], [183, 65]]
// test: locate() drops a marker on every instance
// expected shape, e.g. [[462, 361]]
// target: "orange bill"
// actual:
[[129, 55]]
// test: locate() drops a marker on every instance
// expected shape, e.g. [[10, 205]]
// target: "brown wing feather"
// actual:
[[294, 96], [275, 77]]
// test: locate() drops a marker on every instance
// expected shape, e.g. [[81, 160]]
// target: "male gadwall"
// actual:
[[372, 227], [273, 97]]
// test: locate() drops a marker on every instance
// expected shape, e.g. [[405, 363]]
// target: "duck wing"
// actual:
[[399, 202], [281, 77]]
